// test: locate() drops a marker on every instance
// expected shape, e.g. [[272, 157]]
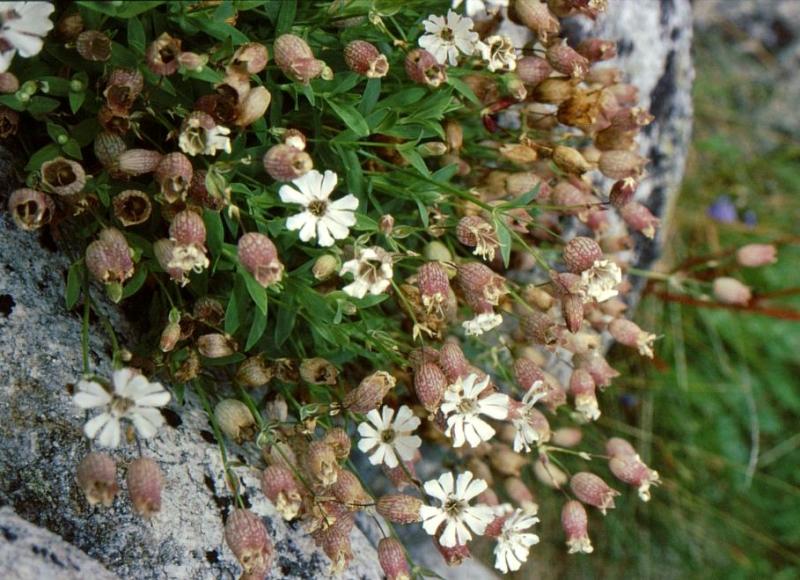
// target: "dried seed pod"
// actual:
[[174, 175], [596, 49], [94, 45], [259, 256], [321, 463], [537, 16], [145, 481], [253, 373], [575, 522], [296, 60], [621, 164], [122, 88], [423, 68], [9, 122], [566, 60], [392, 558], [235, 420], [108, 147], [580, 253], [63, 176], [285, 163], [570, 160], [97, 478], [253, 106], [622, 192], [162, 55], [30, 209], [349, 491], [628, 333], [593, 491], [370, 392], [430, 384], [532, 70], [281, 488], [248, 539], [640, 219], [399, 508], [362, 57], [216, 345], [250, 58], [138, 161], [553, 91], [730, 291], [132, 207], [338, 439], [318, 371], [109, 257]]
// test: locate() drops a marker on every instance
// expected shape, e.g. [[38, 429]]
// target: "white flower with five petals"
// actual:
[[133, 398], [463, 407], [522, 420], [384, 439], [460, 519], [514, 542], [23, 26], [372, 272], [446, 37], [323, 219]]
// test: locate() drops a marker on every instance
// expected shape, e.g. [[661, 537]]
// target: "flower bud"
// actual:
[[423, 68], [628, 333], [145, 481], [259, 256], [295, 58], [548, 474], [122, 88], [622, 192], [370, 392], [169, 337], [621, 164], [399, 508], [325, 266], [506, 461], [216, 345], [97, 478], [109, 257], [580, 253], [253, 373], [631, 469], [532, 70], [596, 49], [537, 16], [575, 522], [63, 176], [362, 57], [132, 207], [248, 539], [318, 371], [581, 386], [162, 55], [521, 495], [567, 437], [253, 107], [437, 251], [570, 160], [30, 209], [539, 327], [640, 219], [285, 163], [174, 175], [593, 491], [137, 161], [755, 255], [93, 45], [392, 559], [9, 83], [235, 420], [567, 61], [250, 58], [321, 463], [553, 91], [192, 61], [430, 384], [731, 291], [281, 488]]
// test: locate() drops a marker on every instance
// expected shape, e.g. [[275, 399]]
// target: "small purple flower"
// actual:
[[722, 210], [750, 218]]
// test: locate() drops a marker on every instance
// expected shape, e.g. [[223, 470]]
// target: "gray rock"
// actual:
[[28, 551]]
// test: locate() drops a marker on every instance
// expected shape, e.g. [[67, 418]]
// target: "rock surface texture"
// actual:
[[41, 441]]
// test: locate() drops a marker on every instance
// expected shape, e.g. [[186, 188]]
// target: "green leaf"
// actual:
[[219, 29], [286, 318], [136, 36], [370, 97], [57, 132], [235, 309], [135, 283], [74, 275], [256, 329], [12, 102], [504, 237], [286, 16], [464, 89], [215, 233], [126, 9], [46, 153], [39, 105], [76, 100], [72, 148], [414, 159], [351, 117], [403, 98], [365, 223], [256, 291]]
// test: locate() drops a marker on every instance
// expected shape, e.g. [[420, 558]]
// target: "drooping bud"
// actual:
[[537, 16], [567, 60], [192, 61], [755, 255], [109, 257], [581, 386], [570, 160], [601, 371], [248, 539], [63, 176], [169, 337], [253, 106], [506, 461], [132, 207], [235, 420], [575, 522], [476, 232], [250, 58], [399, 508], [596, 49], [281, 488], [622, 192], [370, 392], [423, 68], [325, 266], [349, 491], [295, 58], [434, 285], [532, 70], [363, 58], [259, 256], [539, 327], [631, 469], [481, 286], [621, 164], [9, 83], [122, 88], [97, 478], [321, 463], [30, 209], [285, 163], [640, 219], [731, 291], [593, 491], [580, 253], [162, 55], [137, 161], [393, 560], [567, 437], [253, 373], [337, 546], [548, 474], [174, 175], [430, 384], [93, 45], [628, 333], [145, 481], [216, 345]]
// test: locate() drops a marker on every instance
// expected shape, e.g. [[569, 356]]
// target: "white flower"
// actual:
[[23, 26], [482, 323], [514, 543], [526, 435], [445, 38], [188, 258], [372, 270], [587, 406], [455, 512], [322, 219], [197, 137], [385, 439], [499, 53], [482, 8], [601, 280], [134, 398], [464, 408]]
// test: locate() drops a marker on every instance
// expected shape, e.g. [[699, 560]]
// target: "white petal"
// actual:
[[328, 184], [324, 237], [448, 538], [91, 394], [299, 221], [377, 457], [391, 457], [94, 424], [406, 447], [348, 202], [25, 44], [406, 421], [357, 289], [289, 194], [375, 418], [110, 435], [365, 444], [120, 380], [143, 426], [337, 229], [156, 399], [473, 489], [432, 518], [495, 406]]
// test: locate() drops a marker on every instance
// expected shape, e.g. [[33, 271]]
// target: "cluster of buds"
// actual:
[[97, 478]]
